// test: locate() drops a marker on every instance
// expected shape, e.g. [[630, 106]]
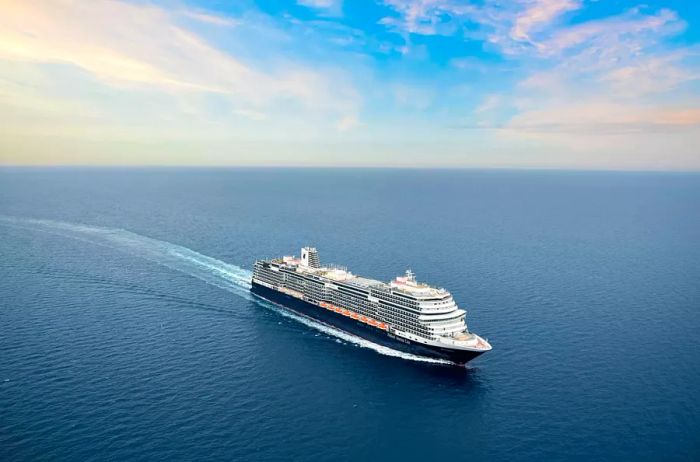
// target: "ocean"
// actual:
[[127, 331]]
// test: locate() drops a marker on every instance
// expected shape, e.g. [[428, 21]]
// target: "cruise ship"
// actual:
[[403, 314]]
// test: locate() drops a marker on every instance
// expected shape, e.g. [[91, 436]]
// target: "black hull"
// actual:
[[361, 329]]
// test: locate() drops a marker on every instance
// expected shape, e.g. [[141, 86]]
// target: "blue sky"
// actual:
[[406, 83]]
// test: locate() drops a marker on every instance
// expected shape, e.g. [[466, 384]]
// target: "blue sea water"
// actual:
[[127, 332]]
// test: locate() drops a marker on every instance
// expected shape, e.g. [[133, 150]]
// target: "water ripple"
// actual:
[[210, 270]]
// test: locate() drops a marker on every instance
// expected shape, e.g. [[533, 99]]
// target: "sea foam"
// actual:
[[231, 278]]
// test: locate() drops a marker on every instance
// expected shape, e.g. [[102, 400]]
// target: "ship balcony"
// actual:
[[453, 313], [437, 310]]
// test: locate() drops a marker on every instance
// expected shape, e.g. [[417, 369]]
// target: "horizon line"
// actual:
[[341, 167]]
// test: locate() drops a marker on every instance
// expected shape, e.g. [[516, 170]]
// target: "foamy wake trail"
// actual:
[[210, 270]]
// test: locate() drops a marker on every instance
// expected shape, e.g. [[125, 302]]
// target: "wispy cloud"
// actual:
[[128, 45], [614, 76], [630, 29], [332, 7], [560, 76], [539, 14], [210, 18], [649, 75], [424, 17], [503, 23]]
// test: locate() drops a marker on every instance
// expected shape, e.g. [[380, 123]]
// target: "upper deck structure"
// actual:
[[403, 307]]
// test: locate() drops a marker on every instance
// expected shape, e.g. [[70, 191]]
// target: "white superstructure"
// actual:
[[403, 307]]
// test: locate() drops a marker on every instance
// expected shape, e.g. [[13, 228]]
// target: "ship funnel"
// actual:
[[309, 257]]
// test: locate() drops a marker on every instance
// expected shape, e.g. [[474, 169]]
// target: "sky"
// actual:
[[572, 84]]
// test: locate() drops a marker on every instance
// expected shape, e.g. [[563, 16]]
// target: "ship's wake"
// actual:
[[210, 270]]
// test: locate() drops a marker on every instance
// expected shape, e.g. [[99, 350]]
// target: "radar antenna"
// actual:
[[410, 276]]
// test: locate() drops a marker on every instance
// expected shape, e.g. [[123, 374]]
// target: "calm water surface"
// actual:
[[127, 333]]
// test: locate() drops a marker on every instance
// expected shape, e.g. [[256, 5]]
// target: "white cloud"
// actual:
[[538, 14], [332, 7], [138, 73], [129, 46], [503, 22], [650, 75], [633, 30], [210, 18], [319, 3], [425, 17], [605, 83], [490, 103]]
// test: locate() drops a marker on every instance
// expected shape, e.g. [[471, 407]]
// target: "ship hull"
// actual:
[[363, 330]]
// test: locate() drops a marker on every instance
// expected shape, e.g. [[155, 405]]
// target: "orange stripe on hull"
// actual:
[[353, 315]]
